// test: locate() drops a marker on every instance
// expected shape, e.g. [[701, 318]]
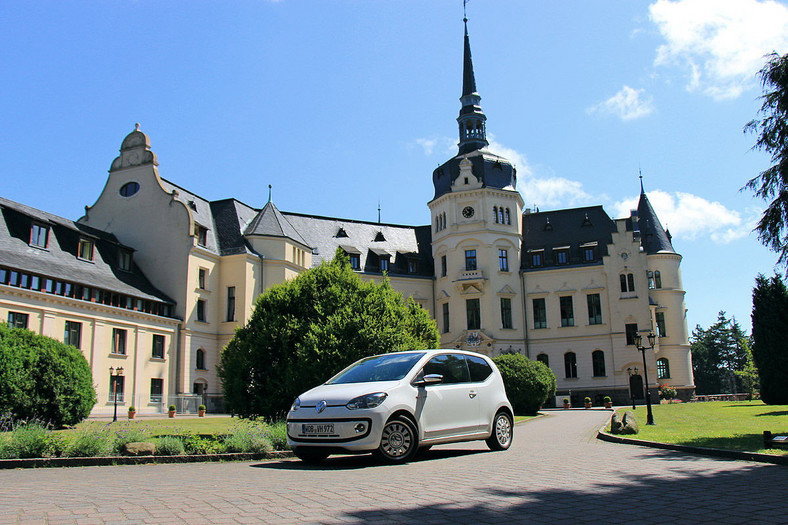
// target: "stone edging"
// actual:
[[715, 452], [138, 460]]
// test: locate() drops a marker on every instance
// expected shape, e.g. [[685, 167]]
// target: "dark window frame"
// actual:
[[540, 321], [506, 313], [471, 262], [567, 309], [570, 365], [158, 344], [598, 363], [594, 303], [473, 314]]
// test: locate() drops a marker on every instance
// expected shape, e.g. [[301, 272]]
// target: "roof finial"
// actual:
[[464, 12], [378, 211], [137, 126], [641, 181], [269, 193]]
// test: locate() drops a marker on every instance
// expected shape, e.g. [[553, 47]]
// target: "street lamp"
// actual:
[[115, 374], [631, 373], [652, 339]]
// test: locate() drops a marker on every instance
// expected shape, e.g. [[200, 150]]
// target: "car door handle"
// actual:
[[472, 394]]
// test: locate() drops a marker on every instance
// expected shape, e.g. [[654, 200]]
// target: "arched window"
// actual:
[[663, 368], [570, 365], [627, 282], [500, 215], [200, 359], [508, 217], [658, 279], [495, 214], [598, 362], [542, 358]]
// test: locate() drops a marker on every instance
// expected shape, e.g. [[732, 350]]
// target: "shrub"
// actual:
[[528, 383], [198, 445], [171, 408], [132, 409], [608, 400], [201, 407], [43, 379], [307, 328], [667, 392], [169, 446], [91, 441], [277, 432], [129, 434], [586, 399], [248, 436], [26, 440]]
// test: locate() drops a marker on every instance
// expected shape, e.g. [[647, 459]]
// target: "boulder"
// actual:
[[616, 423], [139, 448], [629, 424]]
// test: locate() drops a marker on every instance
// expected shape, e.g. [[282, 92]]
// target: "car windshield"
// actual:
[[387, 367]]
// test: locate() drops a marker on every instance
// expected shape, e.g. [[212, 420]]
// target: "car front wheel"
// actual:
[[502, 433], [399, 441]]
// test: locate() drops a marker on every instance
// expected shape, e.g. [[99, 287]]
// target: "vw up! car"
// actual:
[[395, 404]]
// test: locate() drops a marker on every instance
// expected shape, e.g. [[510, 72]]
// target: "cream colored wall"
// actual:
[[48, 315]]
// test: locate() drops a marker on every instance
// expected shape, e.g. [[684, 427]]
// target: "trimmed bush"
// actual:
[[249, 436], [43, 379], [169, 446], [529, 384]]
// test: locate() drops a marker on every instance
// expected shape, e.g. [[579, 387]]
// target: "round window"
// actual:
[[129, 189]]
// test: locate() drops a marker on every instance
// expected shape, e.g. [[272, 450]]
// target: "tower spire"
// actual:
[[473, 133]]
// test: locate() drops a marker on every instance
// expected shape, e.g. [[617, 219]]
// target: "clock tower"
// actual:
[[477, 236]]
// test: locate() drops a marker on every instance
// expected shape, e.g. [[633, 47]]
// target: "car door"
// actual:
[[449, 408], [488, 393]]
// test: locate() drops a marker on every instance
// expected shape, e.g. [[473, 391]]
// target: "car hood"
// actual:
[[342, 393]]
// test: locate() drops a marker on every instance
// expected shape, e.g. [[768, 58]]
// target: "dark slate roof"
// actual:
[[468, 78], [401, 242], [59, 260], [572, 228], [271, 223], [493, 170], [653, 236], [229, 217], [201, 211]]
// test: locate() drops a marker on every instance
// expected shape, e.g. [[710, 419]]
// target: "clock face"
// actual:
[[467, 212]]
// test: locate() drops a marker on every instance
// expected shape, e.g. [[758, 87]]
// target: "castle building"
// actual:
[[571, 288]]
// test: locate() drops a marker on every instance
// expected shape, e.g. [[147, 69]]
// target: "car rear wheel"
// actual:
[[502, 433], [398, 441], [310, 454]]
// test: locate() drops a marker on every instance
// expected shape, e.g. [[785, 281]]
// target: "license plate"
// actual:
[[323, 428]]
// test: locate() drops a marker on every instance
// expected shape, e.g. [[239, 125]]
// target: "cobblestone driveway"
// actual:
[[555, 472]]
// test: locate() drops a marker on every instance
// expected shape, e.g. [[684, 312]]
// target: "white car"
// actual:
[[394, 404]]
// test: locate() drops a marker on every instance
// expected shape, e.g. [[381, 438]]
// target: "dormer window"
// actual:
[[384, 263], [39, 235], [561, 255], [341, 233], [355, 261], [537, 258], [85, 249], [124, 260], [413, 266], [202, 235], [379, 237]]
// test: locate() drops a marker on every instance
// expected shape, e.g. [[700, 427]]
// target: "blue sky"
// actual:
[[341, 104]]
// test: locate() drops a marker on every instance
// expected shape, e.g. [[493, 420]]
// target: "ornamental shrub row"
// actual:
[[529, 384]]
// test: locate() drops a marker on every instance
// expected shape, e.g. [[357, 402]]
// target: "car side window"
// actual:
[[451, 366], [479, 368]]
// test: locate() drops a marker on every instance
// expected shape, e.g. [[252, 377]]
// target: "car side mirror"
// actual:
[[429, 379]]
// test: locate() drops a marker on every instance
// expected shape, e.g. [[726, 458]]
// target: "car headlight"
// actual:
[[367, 401], [296, 404]]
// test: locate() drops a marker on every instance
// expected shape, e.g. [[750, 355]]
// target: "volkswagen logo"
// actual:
[[320, 407]]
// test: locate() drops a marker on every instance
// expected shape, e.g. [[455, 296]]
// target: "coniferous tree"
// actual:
[[770, 338], [305, 330], [718, 352]]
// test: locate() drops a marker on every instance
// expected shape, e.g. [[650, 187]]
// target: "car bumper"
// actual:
[[336, 427]]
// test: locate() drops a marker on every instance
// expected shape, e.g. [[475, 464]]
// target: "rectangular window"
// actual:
[[470, 260], [631, 331], [116, 388], [201, 310], [202, 275], [594, 308], [413, 266], [3, 275], [503, 260], [158, 347], [24, 280], [506, 312], [202, 235], [124, 260], [537, 259], [231, 303], [39, 235], [443, 266], [473, 314], [18, 320], [118, 341], [156, 390], [446, 318], [384, 263], [540, 313], [73, 333], [661, 331], [567, 311], [589, 254], [86, 249], [561, 256], [355, 261]]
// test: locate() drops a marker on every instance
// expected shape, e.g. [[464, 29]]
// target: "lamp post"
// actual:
[[115, 374], [638, 342], [631, 391]]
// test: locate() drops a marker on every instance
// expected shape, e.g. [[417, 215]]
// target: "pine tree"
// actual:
[[770, 337], [718, 352]]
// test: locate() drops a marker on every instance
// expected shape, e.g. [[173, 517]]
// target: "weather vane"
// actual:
[[464, 12]]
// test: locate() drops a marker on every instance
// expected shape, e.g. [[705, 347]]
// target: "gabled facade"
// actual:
[[568, 287]]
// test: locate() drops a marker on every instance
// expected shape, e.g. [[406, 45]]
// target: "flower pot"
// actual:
[[132, 414], [588, 405], [201, 413], [608, 404], [567, 406], [171, 413]]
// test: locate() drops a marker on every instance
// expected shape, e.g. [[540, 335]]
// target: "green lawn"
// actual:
[[176, 425], [733, 425]]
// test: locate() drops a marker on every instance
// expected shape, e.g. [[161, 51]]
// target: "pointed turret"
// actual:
[[473, 134], [653, 237]]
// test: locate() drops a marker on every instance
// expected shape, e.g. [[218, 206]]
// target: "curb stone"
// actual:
[[138, 460]]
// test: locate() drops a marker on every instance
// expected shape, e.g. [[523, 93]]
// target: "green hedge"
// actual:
[[529, 384]]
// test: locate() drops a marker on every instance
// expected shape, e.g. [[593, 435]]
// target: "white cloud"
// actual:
[[720, 43], [627, 104], [554, 192], [443, 145], [690, 217], [518, 159]]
